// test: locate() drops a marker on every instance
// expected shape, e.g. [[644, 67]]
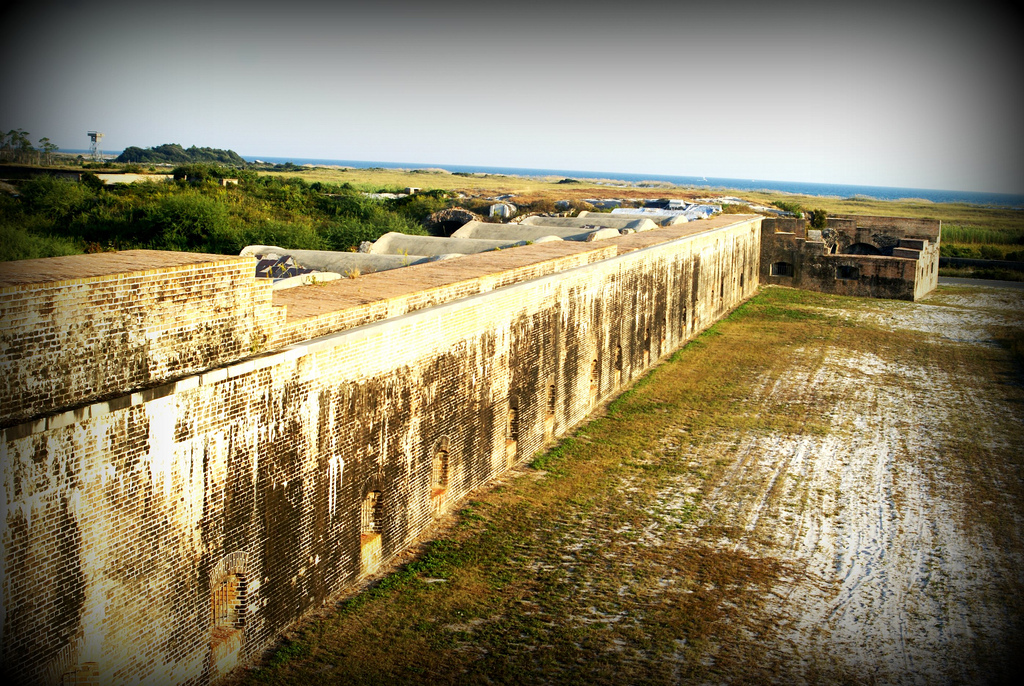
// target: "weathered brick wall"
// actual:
[[297, 329], [927, 269], [902, 227], [168, 535], [68, 342], [905, 274]]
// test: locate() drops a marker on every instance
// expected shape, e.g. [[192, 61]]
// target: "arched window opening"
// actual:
[[371, 548], [439, 468], [229, 603], [229, 598], [618, 357], [372, 515], [550, 406], [512, 432], [741, 280]]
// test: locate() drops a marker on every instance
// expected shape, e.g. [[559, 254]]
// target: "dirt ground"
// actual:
[[894, 576], [819, 490]]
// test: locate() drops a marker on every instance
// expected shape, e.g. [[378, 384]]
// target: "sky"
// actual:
[[916, 95]]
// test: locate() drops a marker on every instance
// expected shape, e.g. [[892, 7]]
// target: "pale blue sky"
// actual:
[[923, 95]]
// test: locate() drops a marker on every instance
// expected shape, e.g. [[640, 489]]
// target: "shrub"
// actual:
[[191, 222], [19, 244], [819, 219], [991, 252], [737, 209], [296, 236], [788, 206], [57, 199]]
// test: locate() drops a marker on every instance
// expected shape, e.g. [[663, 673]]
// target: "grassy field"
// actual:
[[768, 506], [968, 230]]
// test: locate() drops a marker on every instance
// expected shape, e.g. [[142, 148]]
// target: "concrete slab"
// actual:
[[403, 244]]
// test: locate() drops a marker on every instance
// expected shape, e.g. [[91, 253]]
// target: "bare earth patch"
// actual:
[[895, 578]]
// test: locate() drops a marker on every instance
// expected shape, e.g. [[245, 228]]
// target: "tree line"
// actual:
[[15, 146], [173, 153], [50, 216]]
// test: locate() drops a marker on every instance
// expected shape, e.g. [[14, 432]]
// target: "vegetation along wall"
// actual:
[[165, 536]]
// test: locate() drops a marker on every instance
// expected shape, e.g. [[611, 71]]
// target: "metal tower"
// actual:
[[94, 149]]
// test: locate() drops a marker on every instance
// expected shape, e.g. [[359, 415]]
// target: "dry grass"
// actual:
[[968, 218], [661, 543]]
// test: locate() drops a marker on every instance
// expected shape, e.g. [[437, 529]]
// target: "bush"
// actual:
[[948, 250], [57, 199], [197, 173], [991, 252], [421, 205], [787, 206], [282, 234], [18, 244], [819, 219], [737, 209], [191, 222]]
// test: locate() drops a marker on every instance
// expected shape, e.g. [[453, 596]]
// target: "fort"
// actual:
[[193, 460]]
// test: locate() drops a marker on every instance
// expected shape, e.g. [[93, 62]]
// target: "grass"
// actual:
[[988, 273], [550, 579], [976, 235], [966, 227], [976, 223]]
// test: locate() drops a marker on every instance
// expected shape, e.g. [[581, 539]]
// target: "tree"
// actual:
[[21, 146], [47, 149]]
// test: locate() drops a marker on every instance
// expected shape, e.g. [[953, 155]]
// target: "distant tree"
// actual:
[[16, 147], [47, 149], [172, 153]]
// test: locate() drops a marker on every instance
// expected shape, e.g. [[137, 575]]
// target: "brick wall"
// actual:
[[907, 269], [168, 535], [71, 341]]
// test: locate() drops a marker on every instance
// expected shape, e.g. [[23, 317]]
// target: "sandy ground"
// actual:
[[894, 578]]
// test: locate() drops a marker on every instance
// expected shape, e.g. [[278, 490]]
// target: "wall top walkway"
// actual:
[[437, 282], [645, 239], [312, 301], [76, 267]]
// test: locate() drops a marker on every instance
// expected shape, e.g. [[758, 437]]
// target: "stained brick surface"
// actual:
[[907, 269], [72, 335], [122, 518]]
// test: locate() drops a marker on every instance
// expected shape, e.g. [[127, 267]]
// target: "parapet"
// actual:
[[83, 328]]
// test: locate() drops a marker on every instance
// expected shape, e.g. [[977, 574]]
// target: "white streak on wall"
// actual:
[[162, 416], [335, 470]]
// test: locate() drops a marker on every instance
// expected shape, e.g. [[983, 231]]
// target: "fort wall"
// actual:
[[169, 533], [67, 340], [878, 257]]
